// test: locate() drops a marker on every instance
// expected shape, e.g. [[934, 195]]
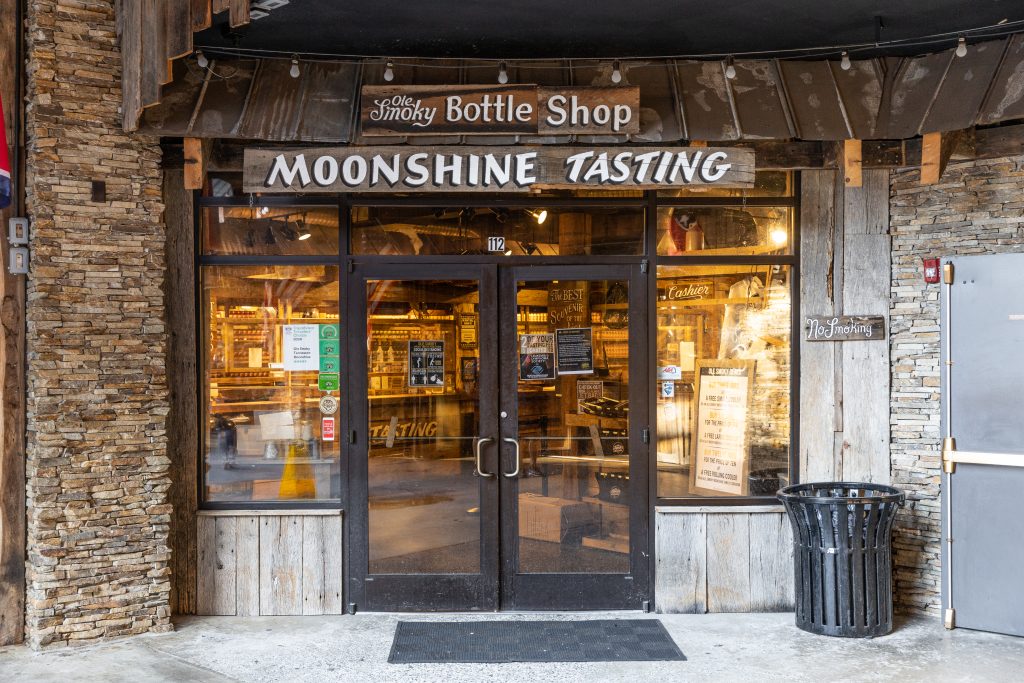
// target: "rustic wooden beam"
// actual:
[[130, 27], [197, 152], [202, 16], [852, 163], [178, 27], [220, 5], [931, 158], [12, 354], [182, 428], [238, 13]]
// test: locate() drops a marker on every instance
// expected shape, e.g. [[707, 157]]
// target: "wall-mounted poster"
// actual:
[[536, 356], [426, 363], [575, 350], [467, 330], [301, 347], [721, 461], [587, 390]]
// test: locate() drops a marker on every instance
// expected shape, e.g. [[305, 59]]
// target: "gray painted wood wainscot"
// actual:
[[723, 559], [269, 563]]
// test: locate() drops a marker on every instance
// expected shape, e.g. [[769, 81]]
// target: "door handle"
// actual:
[[514, 473], [479, 470]]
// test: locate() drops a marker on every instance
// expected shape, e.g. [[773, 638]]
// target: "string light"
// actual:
[[844, 63], [989, 31], [616, 72], [502, 74], [294, 72], [730, 69]]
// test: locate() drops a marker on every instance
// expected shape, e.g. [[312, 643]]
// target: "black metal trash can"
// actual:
[[843, 556]]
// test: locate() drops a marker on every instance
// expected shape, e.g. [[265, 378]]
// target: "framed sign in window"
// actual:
[[721, 453]]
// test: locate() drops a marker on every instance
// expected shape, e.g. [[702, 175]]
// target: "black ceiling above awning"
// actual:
[[609, 29], [884, 98]]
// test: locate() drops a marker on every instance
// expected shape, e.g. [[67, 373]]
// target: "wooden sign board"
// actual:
[[387, 110], [845, 327], [721, 453], [492, 169]]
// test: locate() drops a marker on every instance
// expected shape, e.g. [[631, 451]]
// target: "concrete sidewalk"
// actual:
[[720, 647]]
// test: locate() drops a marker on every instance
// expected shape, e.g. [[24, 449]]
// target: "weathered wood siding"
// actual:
[[723, 559], [269, 564], [844, 270]]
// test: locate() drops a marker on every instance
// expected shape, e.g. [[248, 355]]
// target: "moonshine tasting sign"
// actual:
[[459, 168]]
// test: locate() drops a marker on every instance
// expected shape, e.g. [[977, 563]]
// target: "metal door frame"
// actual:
[[584, 591], [414, 592]]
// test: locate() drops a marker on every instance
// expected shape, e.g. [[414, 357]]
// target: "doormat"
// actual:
[[486, 642]]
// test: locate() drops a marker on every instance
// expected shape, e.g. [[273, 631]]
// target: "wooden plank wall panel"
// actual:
[[866, 371], [771, 563], [182, 430], [281, 565], [224, 569], [247, 565], [681, 563], [313, 561], [334, 575], [723, 560], [728, 562], [817, 361], [206, 535]]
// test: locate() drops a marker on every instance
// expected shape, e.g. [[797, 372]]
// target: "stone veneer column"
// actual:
[[978, 208], [97, 466]]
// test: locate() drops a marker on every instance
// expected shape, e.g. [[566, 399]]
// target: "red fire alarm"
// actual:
[[931, 270]]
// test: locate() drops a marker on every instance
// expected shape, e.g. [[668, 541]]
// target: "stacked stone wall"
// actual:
[[977, 208], [97, 466]]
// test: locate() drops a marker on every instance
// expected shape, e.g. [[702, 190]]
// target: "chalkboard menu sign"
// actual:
[[721, 458]]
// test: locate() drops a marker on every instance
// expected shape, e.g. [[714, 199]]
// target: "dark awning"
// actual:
[[884, 98]]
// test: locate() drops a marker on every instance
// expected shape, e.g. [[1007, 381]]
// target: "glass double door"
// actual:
[[499, 455]]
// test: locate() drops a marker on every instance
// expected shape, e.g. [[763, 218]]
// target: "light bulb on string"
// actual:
[[201, 60], [616, 72], [961, 47], [389, 72], [295, 71], [502, 74], [844, 63], [730, 69]]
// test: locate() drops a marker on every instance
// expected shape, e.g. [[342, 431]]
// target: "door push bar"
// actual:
[[479, 470], [951, 456]]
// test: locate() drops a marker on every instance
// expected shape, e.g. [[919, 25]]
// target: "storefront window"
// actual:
[[723, 380], [724, 230], [272, 373], [535, 231], [266, 230], [766, 184]]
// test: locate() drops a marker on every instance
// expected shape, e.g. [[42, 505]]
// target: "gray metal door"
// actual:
[[983, 453]]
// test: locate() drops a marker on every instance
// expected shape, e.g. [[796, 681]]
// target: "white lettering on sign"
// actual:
[[483, 169], [403, 108], [568, 110]]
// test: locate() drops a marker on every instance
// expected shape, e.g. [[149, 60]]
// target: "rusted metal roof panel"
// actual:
[[889, 98], [914, 87], [761, 108], [860, 90], [1006, 97], [705, 101], [818, 112], [962, 91], [659, 103]]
